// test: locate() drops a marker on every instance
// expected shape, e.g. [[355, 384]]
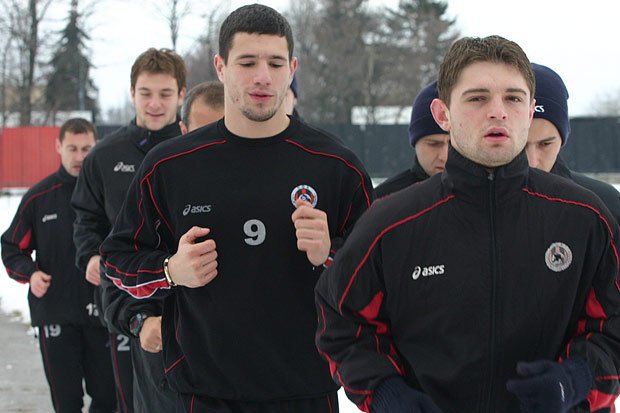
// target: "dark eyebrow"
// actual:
[[545, 140], [516, 90], [146, 89], [253, 56], [484, 90], [476, 90]]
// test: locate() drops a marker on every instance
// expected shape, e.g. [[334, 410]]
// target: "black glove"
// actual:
[[394, 396], [549, 387]]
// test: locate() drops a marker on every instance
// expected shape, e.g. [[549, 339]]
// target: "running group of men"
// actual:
[[475, 282]]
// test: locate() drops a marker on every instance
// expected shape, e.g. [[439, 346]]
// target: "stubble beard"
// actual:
[[258, 116]]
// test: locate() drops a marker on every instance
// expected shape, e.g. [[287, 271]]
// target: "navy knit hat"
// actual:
[[551, 99], [294, 86], [422, 122]]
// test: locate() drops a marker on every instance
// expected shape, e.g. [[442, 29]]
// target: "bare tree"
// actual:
[[24, 22], [332, 55], [353, 56], [303, 15], [173, 12], [6, 85], [413, 40], [199, 59]]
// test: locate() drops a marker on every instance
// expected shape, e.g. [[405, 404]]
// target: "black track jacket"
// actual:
[[608, 194], [402, 180], [99, 194], [44, 223], [248, 334], [452, 281]]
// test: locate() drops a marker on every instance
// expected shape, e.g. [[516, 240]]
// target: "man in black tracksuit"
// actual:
[[549, 132], [237, 222], [73, 342], [492, 287], [158, 88], [429, 141]]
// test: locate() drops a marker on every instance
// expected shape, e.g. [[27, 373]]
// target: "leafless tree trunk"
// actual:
[[199, 59], [173, 13], [23, 29], [4, 79]]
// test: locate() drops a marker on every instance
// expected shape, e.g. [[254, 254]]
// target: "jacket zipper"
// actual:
[[493, 321]]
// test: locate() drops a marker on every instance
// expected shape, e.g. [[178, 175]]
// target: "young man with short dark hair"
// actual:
[[491, 287], [232, 224]]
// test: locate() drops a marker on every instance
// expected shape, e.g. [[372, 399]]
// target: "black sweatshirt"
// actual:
[[452, 281], [44, 223], [99, 194], [248, 334]]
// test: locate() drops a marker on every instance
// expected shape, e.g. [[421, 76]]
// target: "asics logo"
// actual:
[[122, 167], [427, 271], [196, 209], [49, 217], [539, 109]]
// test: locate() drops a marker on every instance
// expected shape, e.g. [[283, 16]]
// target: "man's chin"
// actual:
[[259, 116]]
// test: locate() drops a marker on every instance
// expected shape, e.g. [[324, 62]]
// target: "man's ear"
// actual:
[[182, 93], [441, 114], [183, 127], [532, 109], [218, 62]]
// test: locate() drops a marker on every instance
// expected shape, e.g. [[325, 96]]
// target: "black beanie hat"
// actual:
[[422, 122], [551, 99]]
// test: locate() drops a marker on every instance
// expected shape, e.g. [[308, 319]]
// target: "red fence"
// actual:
[[27, 155]]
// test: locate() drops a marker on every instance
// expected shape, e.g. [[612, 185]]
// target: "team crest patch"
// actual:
[[558, 257], [306, 193]]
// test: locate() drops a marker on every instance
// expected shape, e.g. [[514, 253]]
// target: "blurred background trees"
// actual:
[[350, 55]]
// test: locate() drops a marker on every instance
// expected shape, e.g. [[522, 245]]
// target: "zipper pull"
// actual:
[[491, 175]]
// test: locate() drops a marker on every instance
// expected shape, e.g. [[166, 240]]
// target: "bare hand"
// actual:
[[312, 232], [39, 283], [195, 263], [93, 270], [150, 335]]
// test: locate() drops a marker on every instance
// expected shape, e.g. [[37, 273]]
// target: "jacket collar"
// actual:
[[146, 139], [65, 177], [468, 180], [417, 171], [561, 169]]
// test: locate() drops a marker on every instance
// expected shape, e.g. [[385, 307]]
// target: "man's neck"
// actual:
[[243, 127]]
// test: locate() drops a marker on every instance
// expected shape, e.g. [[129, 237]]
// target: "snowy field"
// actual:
[[13, 295]]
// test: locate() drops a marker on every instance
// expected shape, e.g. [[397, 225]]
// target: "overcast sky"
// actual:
[[577, 39]]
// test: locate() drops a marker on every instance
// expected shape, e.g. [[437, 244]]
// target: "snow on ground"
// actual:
[[13, 295]]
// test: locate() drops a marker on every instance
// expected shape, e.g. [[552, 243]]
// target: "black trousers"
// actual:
[[120, 350], [151, 392], [72, 354], [187, 403]]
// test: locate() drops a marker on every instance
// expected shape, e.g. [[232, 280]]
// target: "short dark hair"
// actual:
[[470, 50], [211, 93], [76, 125], [160, 61], [254, 18]]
